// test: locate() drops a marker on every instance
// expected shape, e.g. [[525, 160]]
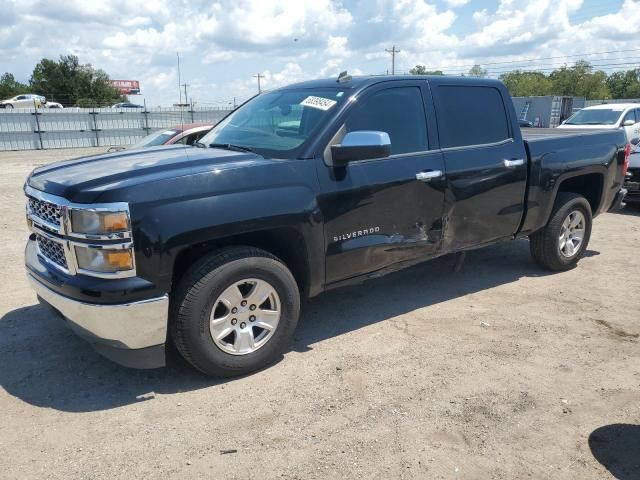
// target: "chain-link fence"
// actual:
[[44, 128]]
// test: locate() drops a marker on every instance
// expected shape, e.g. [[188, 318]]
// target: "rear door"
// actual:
[[486, 163], [377, 212]]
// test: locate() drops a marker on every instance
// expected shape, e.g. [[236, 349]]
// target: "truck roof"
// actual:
[[360, 81]]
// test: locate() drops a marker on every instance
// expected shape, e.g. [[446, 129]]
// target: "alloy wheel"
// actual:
[[245, 316]]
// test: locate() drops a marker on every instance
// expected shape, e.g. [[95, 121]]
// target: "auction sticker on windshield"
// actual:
[[318, 102]]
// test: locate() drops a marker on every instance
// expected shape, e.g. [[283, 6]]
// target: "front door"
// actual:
[[633, 131], [376, 212]]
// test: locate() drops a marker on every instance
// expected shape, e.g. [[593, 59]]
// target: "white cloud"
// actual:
[[456, 3], [223, 43]]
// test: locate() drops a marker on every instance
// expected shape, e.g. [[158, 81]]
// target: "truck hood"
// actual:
[[84, 179]]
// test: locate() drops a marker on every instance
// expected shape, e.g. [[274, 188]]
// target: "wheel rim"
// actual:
[[572, 234], [245, 316]]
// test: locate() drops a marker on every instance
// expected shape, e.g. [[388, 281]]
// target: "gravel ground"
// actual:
[[500, 371]]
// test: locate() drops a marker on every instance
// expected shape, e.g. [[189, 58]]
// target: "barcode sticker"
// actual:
[[318, 102]]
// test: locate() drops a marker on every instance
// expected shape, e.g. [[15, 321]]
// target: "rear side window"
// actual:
[[399, 111], [471, 116]]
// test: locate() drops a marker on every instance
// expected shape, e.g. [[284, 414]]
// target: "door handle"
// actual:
[[430, 175], [516, 162]]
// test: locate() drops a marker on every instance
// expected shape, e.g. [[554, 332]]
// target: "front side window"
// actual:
[[277, 124], [471, 115], [631, 115], [398, 111]]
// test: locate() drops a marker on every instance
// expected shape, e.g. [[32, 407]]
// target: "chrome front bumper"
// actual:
[[116, 331]]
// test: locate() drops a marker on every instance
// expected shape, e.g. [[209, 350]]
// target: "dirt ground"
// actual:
[[500, 371]]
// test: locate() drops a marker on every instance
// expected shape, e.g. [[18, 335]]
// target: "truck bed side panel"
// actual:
[[554, 159]]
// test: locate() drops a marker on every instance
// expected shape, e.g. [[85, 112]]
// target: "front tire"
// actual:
[[235, 311], [562, 242]]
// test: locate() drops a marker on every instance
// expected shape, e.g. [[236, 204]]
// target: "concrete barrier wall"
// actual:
[[28, 129]]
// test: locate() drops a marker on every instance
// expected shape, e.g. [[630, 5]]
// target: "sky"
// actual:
[[223, 44]]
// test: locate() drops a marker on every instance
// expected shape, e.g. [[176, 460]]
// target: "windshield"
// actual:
[[157, 138], [596, 116], [277, 124]]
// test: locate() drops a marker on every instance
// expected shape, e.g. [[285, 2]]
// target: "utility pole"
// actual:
[[393, 52], [259, 76], [185, 85]]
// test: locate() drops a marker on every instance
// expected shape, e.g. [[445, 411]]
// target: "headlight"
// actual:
[[104, 260], [99, 223]]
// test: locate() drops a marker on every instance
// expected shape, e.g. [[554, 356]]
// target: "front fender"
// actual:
[[163, 229]]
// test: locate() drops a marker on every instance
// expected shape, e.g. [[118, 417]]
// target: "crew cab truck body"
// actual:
[[302, 189]]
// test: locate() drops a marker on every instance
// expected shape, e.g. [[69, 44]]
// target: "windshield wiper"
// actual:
[[230, 146]]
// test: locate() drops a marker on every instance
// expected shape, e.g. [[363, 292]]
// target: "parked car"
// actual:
[[126, 105], [53, 105], [623, 116], [187, 134], [213, 248], [632, 183], [525, 123], [27, 100]]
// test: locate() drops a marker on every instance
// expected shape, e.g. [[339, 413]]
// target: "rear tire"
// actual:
[[562, 242], [217, 323], [8, 106]]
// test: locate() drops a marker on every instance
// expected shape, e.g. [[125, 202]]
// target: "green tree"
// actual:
[[527, 84], [624, 84], [478, 71], [67, 81], [581, 81], [9, 87], [422, 70]]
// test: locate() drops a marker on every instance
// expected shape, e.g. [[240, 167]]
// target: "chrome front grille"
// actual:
[[46, 211], [52, 251], [49, 218]]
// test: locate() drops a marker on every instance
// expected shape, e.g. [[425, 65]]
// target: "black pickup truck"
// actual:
[[302, 189]]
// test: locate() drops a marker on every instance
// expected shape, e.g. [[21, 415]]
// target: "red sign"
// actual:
[[127, 87]]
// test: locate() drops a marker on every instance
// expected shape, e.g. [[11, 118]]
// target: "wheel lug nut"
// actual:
[[252, 318], [244, 303], [242, 325], [252, 307], [234, 310], [234, 321]]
